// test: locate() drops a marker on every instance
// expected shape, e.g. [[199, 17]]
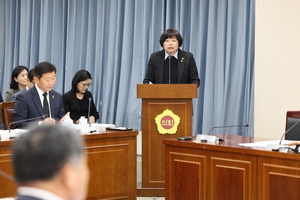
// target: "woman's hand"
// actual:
[[91, 120]]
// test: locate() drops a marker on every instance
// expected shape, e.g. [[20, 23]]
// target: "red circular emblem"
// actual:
[[167, 122]]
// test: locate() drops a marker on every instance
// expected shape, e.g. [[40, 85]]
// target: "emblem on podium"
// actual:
[[167, 122]]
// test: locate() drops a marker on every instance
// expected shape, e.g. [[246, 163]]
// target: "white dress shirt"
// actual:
[[40, 92], [37, 193], [175, 55]]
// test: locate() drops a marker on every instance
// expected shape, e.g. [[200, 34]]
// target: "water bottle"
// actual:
[[83, 124]]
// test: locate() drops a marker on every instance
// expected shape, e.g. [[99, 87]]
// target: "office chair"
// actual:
[[6, 113], [292, 117]]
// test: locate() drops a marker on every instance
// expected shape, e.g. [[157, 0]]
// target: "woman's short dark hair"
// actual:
[[170, 33], [15, 73], [81, 75], [42, 68]]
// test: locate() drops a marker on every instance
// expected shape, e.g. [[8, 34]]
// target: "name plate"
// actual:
[[6, 134]]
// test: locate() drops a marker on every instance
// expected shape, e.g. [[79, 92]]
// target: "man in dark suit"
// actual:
[[1, 98], [50, 163], [40, 100], [171, 65], [1, 123]]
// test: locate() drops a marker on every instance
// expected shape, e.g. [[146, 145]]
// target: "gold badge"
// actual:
[[167, 122]]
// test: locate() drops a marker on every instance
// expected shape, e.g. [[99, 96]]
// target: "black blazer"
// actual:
[[187, 69], [1, 98], [71, 104], [27, 198]]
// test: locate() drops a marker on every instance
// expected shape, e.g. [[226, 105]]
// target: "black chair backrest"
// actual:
[[294, 132]]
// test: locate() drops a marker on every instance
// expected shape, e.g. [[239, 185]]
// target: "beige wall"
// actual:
[[277, 65]]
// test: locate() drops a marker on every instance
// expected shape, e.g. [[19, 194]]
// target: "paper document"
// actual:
[[94, 128], [6, 134], [263, 144]]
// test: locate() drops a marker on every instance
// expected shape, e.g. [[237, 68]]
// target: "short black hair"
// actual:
[[170, 33], [43, 68], [40, 153], [81, 75], [31, 75], [15, 73]]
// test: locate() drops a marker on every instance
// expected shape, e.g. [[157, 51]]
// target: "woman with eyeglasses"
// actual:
[[79, 101]]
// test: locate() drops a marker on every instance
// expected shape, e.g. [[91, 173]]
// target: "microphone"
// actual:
[[276, 147], [169, 69], [89, 111], [212, 138], [230, 126], [25, 120], [2, 173], [288, 130]]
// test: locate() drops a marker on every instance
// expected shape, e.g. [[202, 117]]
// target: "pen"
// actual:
[[293, 143]]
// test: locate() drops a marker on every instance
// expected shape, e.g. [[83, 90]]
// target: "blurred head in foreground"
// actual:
[[51, 158]]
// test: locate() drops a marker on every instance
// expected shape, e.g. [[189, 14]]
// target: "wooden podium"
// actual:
[[156, 99]]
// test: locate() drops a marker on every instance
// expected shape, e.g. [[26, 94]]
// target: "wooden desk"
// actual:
[[112, 163], [229, 171]]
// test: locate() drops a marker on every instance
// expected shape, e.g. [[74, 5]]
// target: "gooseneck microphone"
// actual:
[[169, 69], [89, 111], [229, 126], [25, 120], [288, 131], [2, 173]]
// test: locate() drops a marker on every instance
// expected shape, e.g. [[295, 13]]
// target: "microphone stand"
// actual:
[[276, 147], [288, 130], [2, 173], [169, 69], [212, 138], [240, 125], [89, 111], [25, 120]]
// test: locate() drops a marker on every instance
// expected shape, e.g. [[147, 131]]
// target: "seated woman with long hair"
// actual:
[[19, 80]]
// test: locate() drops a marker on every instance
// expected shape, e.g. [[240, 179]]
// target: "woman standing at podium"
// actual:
[[79, 101], [171, 65]]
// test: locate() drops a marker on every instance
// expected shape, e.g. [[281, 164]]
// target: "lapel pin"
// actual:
[[52, 96], [182, 59]]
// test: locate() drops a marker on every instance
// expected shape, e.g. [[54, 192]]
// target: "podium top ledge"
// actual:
[[167, 91]]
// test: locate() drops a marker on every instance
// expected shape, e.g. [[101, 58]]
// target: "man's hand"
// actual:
[[64, 117], [48, 120]]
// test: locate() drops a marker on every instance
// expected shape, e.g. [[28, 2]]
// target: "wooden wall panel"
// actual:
[[187, 172], [278, 178], [231, 170], [111, 165], [232, 177], [8, 186]]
